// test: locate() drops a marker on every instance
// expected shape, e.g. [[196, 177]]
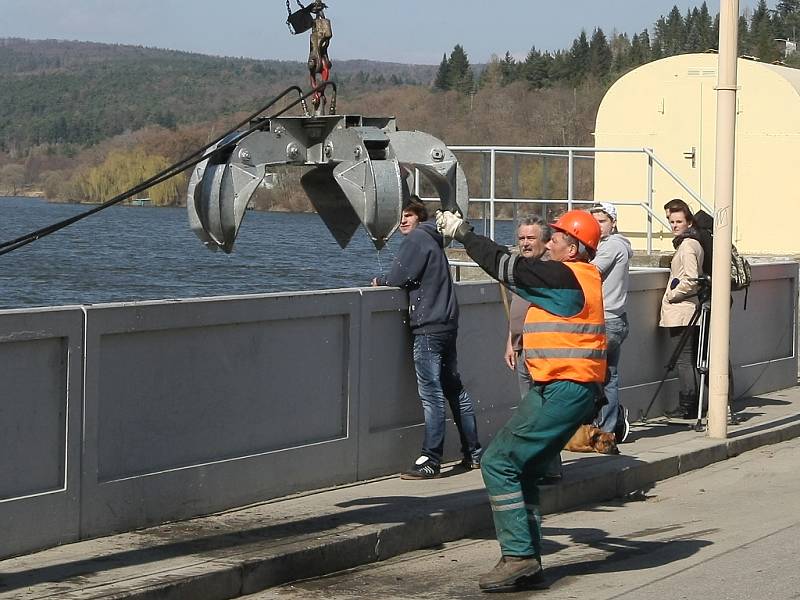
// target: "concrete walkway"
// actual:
[[246, 550]]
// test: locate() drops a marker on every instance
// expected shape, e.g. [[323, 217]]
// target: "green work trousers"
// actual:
[[544, 422]]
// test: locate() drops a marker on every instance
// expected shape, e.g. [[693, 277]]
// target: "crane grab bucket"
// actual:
[[360, 171]]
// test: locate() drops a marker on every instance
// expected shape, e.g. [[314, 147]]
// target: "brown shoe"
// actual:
[[507, 573]]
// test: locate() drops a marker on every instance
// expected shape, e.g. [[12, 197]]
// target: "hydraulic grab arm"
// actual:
[[360, 170]]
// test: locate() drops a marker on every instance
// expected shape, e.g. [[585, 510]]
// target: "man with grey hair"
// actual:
[[533, 233], [612, 260]]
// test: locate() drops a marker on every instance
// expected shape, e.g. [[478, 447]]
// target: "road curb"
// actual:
[[436, 520]]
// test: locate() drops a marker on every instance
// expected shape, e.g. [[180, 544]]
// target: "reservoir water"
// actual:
[[127, 253]]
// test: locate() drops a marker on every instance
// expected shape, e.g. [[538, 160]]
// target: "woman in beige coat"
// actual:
[[680, 301]]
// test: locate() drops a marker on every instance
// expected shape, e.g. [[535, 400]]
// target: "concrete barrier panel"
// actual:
[[482, 336], [390, 414], [392, 427], [210, 404], [41, 363], [764, 335], [175, 409]]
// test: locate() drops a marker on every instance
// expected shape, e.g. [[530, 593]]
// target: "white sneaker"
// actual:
[[626, 426]]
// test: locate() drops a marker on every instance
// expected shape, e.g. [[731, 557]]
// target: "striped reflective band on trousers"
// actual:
[[503, 502]]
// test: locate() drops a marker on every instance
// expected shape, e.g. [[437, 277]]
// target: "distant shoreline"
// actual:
[[39, 195], [23, 194]]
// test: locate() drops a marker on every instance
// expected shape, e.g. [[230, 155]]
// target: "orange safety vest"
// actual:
[[571, 348]]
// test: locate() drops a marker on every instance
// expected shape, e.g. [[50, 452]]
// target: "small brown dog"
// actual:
[[589, 438]]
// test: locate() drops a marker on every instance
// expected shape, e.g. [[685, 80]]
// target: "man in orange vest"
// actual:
[[564, 342]]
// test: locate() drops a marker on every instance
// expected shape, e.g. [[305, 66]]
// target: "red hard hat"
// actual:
[[581, 225]]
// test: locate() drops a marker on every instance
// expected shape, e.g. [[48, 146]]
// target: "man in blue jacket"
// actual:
[[421, 268]]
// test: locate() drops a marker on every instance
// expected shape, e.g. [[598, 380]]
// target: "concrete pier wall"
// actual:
[[120, 416]]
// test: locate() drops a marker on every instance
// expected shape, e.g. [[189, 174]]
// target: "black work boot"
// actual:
[[508, 572], [686, 409]]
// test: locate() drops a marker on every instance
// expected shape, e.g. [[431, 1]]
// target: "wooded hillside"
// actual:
[[74, 116]]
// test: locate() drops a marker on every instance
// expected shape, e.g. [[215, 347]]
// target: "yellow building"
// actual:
[[669, 106]]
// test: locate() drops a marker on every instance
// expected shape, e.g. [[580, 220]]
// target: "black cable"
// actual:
[[183, 164], [170, 171]]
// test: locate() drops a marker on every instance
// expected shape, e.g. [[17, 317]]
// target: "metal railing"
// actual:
[[571, 154]]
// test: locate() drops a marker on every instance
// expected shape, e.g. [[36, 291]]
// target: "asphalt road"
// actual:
[[729, 531]]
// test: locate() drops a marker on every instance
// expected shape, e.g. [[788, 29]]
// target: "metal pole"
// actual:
[[723, 217]]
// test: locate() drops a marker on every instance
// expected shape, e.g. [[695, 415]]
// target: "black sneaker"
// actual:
[[469, 464], [551, 479], [679, 412], [423, 468]]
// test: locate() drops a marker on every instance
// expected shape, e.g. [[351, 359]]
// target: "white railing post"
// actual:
[[489, 196], [492, 173], [571, 179], [649, 204]]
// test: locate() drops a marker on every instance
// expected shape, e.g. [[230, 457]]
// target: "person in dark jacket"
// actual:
[[421, 268]]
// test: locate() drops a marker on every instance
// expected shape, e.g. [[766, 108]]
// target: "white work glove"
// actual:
[[451, 225]]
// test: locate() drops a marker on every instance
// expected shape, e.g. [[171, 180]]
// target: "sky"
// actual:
[[410, 31]]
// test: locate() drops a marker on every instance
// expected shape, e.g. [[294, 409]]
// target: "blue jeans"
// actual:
[[436, 364], [616, 332]]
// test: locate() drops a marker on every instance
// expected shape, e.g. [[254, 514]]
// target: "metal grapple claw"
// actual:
[[435, 161], [359, 171], [218, 194]]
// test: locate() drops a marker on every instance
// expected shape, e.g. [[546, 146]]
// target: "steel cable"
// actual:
[[189, 161]]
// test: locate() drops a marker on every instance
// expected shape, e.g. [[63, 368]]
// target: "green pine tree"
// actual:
[[762, 34], [636, 55], [787, 7], [675, 34], [644, 41], [694, 35], [580, 57], [599, 54], [442, 81], [705, 26], [536, 68], [460, 75], [620, 47], [744, 34], [508, 69]]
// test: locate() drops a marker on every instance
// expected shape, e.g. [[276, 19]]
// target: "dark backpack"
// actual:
[[741, 277]]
